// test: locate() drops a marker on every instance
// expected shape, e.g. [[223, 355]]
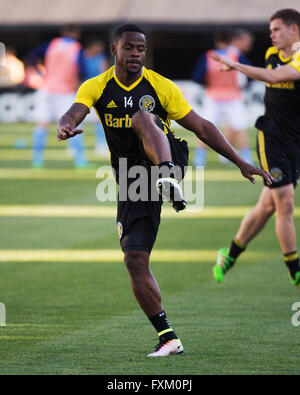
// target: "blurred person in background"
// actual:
[[12, 73], [241, 40], [61, 79], [223, 101], [93, 61]]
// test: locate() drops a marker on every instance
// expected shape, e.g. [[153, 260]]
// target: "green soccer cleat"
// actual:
[[295, 280], [224, 263]]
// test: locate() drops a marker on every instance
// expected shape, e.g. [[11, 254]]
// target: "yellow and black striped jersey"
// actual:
[[282, 100], [116, 103]]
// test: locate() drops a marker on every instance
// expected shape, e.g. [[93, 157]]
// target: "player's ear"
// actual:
[[113, 49], [295, 28]]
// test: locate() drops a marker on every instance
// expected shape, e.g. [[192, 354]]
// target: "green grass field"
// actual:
[[69, 305]]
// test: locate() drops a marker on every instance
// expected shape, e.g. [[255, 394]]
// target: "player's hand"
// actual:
[[66, 132], [248, 171], [225, 64]]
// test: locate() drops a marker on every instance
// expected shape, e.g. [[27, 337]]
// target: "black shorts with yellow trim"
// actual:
[[280, 157], [138, 221]]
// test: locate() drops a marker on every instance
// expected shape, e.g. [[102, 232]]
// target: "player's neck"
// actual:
[[286, 52], [127, 79], [289, 50]]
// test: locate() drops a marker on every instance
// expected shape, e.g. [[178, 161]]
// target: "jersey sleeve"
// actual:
[[170, 96], [295, 62], [177, 107], [270, 51], [88, 93]]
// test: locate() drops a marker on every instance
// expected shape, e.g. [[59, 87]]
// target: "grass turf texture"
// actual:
[[81, 317]]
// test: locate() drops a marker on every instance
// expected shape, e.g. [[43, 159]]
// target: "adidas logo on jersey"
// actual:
[[111, 104]]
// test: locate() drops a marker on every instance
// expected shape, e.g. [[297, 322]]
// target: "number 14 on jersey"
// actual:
[[128, 101]]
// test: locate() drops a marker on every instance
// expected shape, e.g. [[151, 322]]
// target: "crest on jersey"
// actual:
[[120, 229], [147, 103], [277, 174]]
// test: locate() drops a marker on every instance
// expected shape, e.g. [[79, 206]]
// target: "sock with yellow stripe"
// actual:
[[162, 326], [292, 262], [236, 248]]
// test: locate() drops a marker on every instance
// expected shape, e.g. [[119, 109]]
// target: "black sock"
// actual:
[[292, 262], [162, 326], [166, 169], [167, 164], [236, 248]]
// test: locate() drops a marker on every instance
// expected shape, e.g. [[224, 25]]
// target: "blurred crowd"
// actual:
[[30, 71]]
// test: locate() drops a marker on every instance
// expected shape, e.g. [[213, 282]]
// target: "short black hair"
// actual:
[[128, 28], [288, 15]]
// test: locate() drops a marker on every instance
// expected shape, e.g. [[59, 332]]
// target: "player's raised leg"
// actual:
[[155, 143], [157, 148]]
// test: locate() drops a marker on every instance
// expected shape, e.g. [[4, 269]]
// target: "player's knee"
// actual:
[[269, 208], [140, 119], [136, 263], [265, 207], [285, 206]]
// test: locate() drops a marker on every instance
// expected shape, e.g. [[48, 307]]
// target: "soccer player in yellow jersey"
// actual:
[[278, 143], [135, 106]]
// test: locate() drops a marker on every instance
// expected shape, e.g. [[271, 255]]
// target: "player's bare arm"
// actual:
[[66, 125], [272, 76], [213, 137]]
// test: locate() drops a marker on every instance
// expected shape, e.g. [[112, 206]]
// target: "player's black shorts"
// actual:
[[140, 235], [138, 221], [281, 157]]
